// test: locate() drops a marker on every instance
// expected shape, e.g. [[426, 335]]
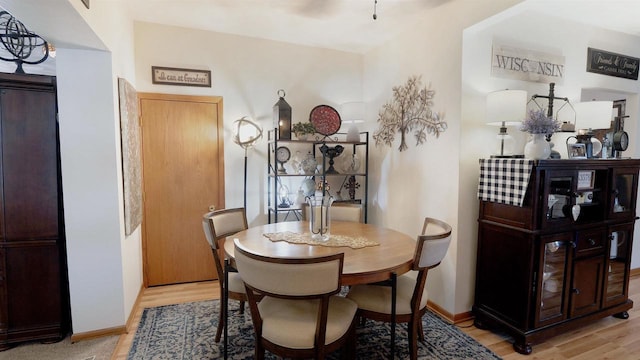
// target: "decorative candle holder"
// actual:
[[319, 216]]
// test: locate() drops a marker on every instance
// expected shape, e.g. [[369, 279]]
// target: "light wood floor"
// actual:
[[608, 338]]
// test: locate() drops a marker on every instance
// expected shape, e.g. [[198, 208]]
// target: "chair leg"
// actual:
[[241, 306], [348, 350], [420, 330], [412, 328], [225, 300], [220, 322], [393, 316], [259, 350]]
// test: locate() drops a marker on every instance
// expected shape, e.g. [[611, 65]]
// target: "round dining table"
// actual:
[[393, 252]]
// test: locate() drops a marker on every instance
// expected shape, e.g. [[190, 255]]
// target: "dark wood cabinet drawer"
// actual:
[[590, 242]]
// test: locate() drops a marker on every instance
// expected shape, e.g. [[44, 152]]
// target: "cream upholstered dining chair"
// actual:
[[218, 225], [375, 300], [339, 212], [299, 314]]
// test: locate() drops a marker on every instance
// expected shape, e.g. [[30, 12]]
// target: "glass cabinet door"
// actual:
[[552, 279], [617, 272], [623, 194], [558, 198], [574, 197]]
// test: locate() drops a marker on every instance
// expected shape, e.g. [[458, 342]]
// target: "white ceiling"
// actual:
[[345, 25], [348, 25], [617, 15]]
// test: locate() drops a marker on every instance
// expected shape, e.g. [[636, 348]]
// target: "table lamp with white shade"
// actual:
[[506, 108], [352, 113], [592, 115]]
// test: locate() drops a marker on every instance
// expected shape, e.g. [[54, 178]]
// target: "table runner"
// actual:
[[504, 180], [333, 241]]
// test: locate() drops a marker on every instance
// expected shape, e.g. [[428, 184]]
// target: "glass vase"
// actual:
[[309, 164], [319, 219], [537, 148]]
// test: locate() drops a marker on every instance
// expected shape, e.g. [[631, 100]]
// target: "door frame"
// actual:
[[217, 100]]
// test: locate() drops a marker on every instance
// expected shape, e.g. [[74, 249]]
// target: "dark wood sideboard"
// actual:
[[561, 258], [34, 295]]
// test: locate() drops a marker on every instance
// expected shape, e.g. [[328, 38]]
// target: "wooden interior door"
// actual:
[[183, 175]]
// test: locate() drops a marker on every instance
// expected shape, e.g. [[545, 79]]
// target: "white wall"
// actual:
[[424, 181], [247, 73], [522, 28], [116, 29], [89, 168]]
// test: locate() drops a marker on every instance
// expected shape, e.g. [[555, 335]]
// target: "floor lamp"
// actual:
[[247, 133]]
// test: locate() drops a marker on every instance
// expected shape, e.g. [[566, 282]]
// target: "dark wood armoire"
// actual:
[[34, 291]]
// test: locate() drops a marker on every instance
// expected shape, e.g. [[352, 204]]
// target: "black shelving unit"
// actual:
[[274, 178]]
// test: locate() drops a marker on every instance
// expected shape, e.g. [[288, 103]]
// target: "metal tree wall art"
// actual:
[[409, 112], [24, 46]]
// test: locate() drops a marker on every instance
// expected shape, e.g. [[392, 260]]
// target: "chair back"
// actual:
[[432, 244], [346, 212], [339, 212], [309, 277], [222, 223]]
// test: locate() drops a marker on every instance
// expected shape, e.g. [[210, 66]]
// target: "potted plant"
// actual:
[[539, 125], [303, 129]]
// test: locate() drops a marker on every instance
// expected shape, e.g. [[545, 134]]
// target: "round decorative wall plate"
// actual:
[[325, 119]]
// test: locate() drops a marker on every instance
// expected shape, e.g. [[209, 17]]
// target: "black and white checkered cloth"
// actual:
[[504, 180]]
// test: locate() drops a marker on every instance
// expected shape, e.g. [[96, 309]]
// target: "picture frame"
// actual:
[[586, 180], [177, 76], [577, 151]]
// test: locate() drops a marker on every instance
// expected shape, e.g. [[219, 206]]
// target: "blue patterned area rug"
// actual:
[[186, 332]]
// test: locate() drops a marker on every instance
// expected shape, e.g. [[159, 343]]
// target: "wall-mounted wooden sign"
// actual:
[[177, 76], [612, 64], [525, 64]]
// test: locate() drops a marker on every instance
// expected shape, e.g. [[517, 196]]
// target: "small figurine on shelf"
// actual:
[[320, 187], [300, 198], [284, 197], [352, 185]]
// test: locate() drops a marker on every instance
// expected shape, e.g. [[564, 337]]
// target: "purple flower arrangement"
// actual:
[[537, 122]]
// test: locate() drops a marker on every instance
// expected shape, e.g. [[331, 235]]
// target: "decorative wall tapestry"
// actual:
[[131, 155], [409, 111]]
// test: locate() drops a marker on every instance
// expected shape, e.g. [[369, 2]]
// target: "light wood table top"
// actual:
[[361, 266]]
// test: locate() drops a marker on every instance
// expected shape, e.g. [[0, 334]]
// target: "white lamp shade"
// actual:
[[352, 113], [594, 114], [506, 106]]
